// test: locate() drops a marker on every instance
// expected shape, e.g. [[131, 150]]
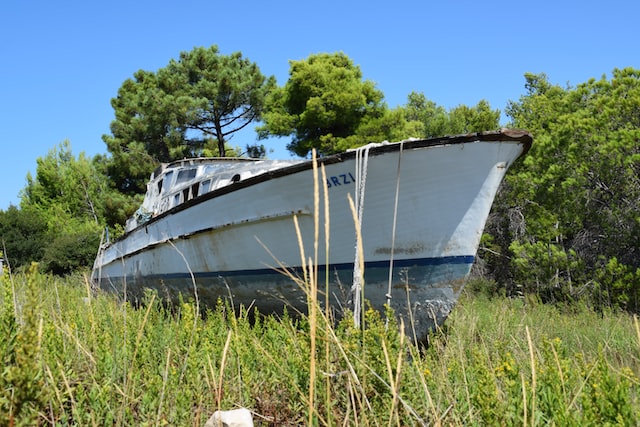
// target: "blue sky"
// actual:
[[63, 61]]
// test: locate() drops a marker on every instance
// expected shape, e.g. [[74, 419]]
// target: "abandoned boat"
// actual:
[[224, 227]]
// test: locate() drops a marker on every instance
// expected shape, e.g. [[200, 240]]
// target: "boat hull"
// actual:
[[424, 206]]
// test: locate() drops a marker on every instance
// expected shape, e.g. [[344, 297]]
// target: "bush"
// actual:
[[69, 252]]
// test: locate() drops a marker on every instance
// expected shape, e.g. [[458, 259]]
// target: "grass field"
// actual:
[[72, 355]]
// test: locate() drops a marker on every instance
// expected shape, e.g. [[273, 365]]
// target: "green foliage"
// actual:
[[324, 101], [436, 121], [571, 206], [327, 105], [117, 206], [538, 365], [617, 284], [63, 210], [189, 108], [481, 117], [65, 184], [22, 387], [73, 248], [391, 125], [433, 119], [23, 235], [226, 92]]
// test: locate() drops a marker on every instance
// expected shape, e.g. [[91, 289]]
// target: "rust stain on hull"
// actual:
[[410, 249]]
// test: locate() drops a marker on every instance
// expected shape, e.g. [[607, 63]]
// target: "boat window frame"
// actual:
[[205, 186], [186, 175], [168, 177], [195, 187]]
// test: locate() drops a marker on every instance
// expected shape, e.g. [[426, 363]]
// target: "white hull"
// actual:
[[446, 188]]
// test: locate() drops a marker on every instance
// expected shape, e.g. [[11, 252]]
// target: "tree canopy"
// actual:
[[66, 184], [324, 101], [65, 204], [434, 120], [23, 236], [189, 108], [568, 214], [326, 105]]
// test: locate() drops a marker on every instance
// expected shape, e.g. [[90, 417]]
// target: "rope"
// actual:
[[362, 164], [361, 168]]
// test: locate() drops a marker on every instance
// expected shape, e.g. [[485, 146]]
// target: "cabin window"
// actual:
[[186, 175], [167, 180], [194, 190], [176, 199], [159, 187], [205, 186], [185, 194]]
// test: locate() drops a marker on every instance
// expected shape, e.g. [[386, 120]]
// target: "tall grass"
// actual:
[[70, 358]]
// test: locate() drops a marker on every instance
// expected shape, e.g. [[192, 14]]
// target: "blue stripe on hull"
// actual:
[[397, 264]]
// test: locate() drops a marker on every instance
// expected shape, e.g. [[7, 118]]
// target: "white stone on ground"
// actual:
[[233, 418]]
